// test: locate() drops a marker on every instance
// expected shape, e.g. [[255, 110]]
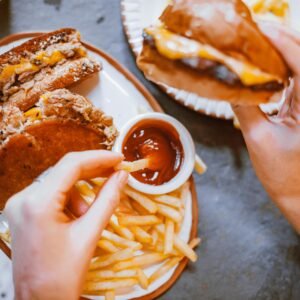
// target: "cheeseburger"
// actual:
[[214, 49]]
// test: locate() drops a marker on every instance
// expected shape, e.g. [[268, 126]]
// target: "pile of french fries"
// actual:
[[143, 231]]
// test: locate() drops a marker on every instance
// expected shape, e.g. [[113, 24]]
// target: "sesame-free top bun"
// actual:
[[228, 26]]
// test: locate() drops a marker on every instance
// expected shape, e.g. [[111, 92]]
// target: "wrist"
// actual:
[[290, 207], [39, 290]]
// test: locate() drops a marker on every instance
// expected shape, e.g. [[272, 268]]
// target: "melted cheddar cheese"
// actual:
[[33, 114], [40, 59], [23, 66], [176, 47], [51, 60], [279, 8]]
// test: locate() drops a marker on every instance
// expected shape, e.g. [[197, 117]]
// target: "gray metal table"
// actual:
[[249, 251]]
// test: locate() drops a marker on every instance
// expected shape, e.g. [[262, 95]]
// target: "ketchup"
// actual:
[[159, 142]]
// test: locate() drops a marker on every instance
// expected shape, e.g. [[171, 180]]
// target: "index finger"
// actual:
[[74, 166]]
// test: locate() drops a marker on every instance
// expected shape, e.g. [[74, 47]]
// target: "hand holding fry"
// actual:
[[46, 242], [111, 242]]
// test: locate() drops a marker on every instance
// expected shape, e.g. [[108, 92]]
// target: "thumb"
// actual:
[[92, 223], [287, 43]]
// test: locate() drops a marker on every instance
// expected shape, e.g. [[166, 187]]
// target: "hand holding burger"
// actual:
[[214, 49], [274, 142]]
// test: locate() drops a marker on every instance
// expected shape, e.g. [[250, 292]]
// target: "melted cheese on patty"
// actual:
[[176, 47]]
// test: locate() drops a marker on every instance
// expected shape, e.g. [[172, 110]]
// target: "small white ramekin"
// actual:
[[188, 149]]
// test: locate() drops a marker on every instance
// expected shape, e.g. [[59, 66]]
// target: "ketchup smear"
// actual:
[[159, 142]]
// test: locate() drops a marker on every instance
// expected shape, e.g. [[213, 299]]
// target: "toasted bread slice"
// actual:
[[35, 140], [45, 63]]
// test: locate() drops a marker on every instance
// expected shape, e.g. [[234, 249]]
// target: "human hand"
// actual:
[[51, 251], [274, 142]]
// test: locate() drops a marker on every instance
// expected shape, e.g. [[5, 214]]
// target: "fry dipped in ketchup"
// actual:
[[159, 143]]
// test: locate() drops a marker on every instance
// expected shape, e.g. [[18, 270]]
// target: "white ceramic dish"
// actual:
[[188, 148], [138, 14], [119, 94]]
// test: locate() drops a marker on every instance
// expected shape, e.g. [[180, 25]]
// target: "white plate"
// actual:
[[119, 94], [138, 14]]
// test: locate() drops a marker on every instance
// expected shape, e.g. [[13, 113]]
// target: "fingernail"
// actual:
[[122, 177], [269, 30]]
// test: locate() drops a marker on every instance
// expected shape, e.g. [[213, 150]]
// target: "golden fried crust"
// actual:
[[40, 146], [167, 72], [50, 79], [226, 25], [39, 43]]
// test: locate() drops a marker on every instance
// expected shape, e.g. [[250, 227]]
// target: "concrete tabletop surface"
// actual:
[[249, 251]]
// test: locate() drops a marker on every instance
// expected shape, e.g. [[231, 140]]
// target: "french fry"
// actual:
[[179, 244], [169, 212], [172, 262], [86, 191], [109, 285], [106, 260], [110, 228], [200, 166], [140, 261], [169, 236], [178, 227], [168, 265], [119, 241], [141, 235], [168, 200], [160, 247], [194, 242], [126, 201], [110, 295], [147, 227], [175, 193], [5, 236], [99, 181], [138, 220], [184, 193], [100, 275], [125, 207], [142, 278], [133, 166], [120, 230], [139, 208], [143, 200], [154, 235], [185, 249], [236, 122], [107, 246]]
